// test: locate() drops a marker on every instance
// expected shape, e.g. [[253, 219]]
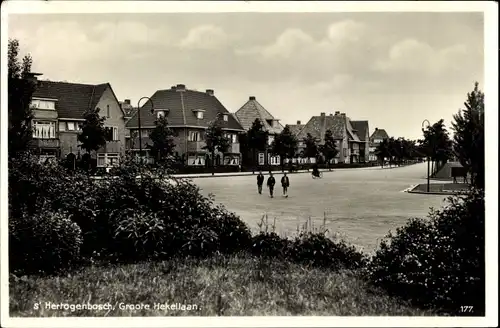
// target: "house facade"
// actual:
[[362, 130], [251, 111], [351, 148], [376, 138], [58, 110], [189, 114]]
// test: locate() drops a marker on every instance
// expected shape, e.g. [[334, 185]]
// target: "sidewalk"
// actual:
[[235, 174]]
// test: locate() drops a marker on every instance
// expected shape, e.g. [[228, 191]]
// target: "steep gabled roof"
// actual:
[[252, 110], [73, 99], [296, 128], [362, 129], [379, 134], [181, 107], [353, 136], [318, 125]]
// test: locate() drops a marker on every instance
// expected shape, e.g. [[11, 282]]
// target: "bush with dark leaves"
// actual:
[[43, 243], [437, 262], [316, 249]]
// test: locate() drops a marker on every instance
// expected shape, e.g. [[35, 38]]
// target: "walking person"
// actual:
[[260, 182], [270, 184], [285, 183]]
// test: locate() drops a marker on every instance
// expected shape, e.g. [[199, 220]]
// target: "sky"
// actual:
[[392, 69]]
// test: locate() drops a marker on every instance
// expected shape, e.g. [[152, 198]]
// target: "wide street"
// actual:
[[361, 205]]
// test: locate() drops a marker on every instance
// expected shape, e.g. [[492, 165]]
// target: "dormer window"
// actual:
[[225, 117], [41, 103], [199, 113], [160, 113]]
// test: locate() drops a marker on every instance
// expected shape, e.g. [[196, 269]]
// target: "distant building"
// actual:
[[58, 109], [376, 138], [296, 128], [253, 110], [346, 138], [128, 108], [362, 129], [189, 114]]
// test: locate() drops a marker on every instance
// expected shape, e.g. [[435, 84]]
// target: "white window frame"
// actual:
[[199, 115], [198, 160], [144, 133], [108, 159], [270, 140], [160, 113], [108, 111], [234, 138], [38, 132], [62, 126], [194, 136], [43, 104], [72, 124], [225, 117]]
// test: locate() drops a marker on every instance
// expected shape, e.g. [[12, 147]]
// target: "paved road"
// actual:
[[359, 205]]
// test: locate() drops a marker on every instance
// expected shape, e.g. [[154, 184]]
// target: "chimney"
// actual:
[[127, 101], [298, 122], [322, 114], [343, 114], [210, 92], [251, 98], [33, 77], [337, 113], [181, 87], [331, 114], [376, 129]]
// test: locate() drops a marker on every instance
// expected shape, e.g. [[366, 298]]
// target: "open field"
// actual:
[[361, 205]]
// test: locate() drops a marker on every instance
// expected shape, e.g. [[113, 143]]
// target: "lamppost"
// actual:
[[139, 122], [428, 162]]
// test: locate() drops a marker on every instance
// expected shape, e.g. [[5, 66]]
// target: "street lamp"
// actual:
[[139, 121], [428, 163]]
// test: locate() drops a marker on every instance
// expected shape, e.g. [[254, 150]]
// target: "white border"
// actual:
[[490, 10]]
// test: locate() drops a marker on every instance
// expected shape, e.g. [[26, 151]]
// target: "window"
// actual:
[[108, 114], [234, 138], [62, 126], [44, 130], [345, 152], [79, 126], [194, 136], [160, 113], [225, 117], [196, 160], [199, 115], [144, 133], [108, 159], [71, 126], [270, 140], [43, 104]]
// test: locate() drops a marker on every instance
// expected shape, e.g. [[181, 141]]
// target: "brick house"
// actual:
[[376, 138], [58, 109], [189, 114], [253, 110], [346, 138]]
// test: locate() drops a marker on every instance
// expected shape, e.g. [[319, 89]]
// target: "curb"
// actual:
[[411, 190], [237, 174]]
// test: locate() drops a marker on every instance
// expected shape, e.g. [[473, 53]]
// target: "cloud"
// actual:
[[205, 37], [411, 55]]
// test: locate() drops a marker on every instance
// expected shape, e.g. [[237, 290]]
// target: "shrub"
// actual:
[[269, 244], [43, 243], [138, 235], [437, 262], [234, 234], [316, 249]]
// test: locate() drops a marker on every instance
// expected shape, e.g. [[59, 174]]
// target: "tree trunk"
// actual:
[[213, 163]]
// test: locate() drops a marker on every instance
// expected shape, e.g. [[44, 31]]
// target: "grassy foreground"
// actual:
[[236, 286]]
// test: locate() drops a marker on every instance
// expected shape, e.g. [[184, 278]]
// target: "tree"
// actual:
[[329, 147], [163, 140], [383, 151], [311, 147], [20, 89], [468, 141], [257, 139], [215, 140], [94, 135], [437, 144], [284, 145]]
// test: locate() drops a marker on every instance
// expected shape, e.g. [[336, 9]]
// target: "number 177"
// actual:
[[466, 308]]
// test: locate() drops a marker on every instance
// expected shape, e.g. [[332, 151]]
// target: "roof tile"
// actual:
[[252, 110]]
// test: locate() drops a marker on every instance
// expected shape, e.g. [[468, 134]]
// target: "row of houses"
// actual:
[[59, 107]]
